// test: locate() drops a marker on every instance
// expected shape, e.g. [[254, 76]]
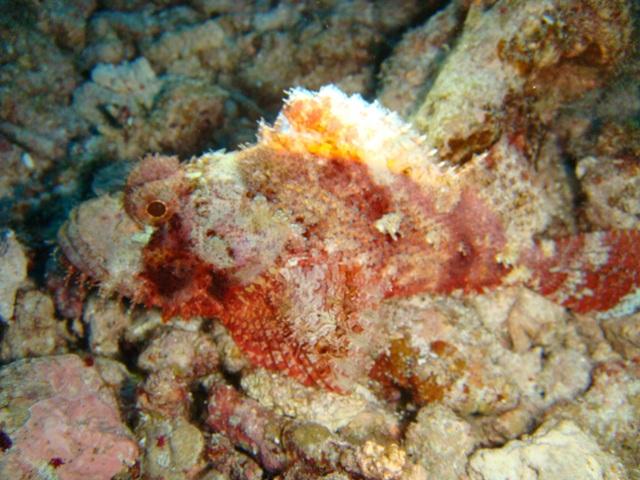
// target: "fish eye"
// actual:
[[156, 209]]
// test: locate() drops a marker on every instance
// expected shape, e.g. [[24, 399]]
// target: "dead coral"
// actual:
[[174, 448], [13, 272], [502, 373], [34, 330], [61, 398], [561, 451], [512, 54], [409, 72], [282, 444]]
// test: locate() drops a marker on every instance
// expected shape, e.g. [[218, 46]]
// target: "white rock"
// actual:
[[555, 452], [13, 272]]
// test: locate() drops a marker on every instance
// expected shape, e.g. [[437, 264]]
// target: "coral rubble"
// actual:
[[346, 239], [61, 421]]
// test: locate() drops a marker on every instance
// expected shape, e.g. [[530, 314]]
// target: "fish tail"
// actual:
[[590, 272]]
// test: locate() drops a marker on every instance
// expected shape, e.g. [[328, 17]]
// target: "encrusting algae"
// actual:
[[294, 242]]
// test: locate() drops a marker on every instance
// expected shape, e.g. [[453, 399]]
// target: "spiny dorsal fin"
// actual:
[[330, 124]]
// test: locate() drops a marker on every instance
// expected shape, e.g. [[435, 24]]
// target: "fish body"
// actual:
[[339, 207]]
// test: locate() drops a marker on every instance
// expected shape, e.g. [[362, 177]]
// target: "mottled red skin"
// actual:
[[476, 236], [316, 170], [175, 279], [611, 281], [178, 282]]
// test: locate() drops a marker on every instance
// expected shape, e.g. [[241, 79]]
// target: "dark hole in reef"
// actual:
[[198, 411], [5, 441], [406, 408], [156, 209]]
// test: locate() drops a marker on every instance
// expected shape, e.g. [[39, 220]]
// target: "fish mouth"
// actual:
[[102, 241]]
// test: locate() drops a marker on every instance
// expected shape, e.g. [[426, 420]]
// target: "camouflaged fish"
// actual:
[[338, 207]]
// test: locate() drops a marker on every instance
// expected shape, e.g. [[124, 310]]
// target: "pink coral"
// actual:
[[60, 416]]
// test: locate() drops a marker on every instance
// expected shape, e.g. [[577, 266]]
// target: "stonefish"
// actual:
[[340, 206]]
